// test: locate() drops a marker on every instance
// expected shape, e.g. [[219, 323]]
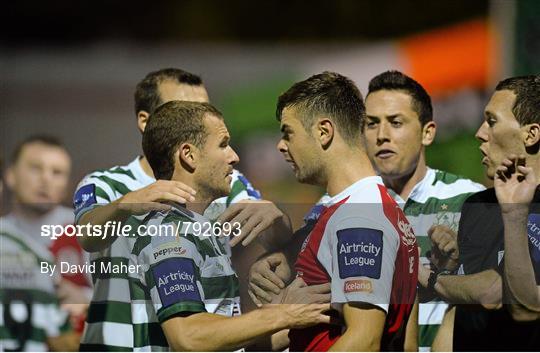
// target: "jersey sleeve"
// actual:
[[363, 256], [241, 189], [171, 268], [91, 192]]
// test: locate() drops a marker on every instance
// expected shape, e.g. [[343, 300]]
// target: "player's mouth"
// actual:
[[291, 162], [385, 154], [485, 158]]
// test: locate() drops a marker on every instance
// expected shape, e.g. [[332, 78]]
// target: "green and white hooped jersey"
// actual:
[[436, 200], [29, 309], [185, 272], [109, 325]]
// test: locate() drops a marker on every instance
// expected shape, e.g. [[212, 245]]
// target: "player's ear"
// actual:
[[324, 131], [142, 119], [532, 134], [187, 155], [428, 133]]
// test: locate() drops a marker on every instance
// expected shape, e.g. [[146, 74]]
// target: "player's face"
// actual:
[[500, 133], [298, 147], [40, 177], [393, 133], [218, 157], [171, 90]]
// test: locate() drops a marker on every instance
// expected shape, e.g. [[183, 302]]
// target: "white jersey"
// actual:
[[363, 244]]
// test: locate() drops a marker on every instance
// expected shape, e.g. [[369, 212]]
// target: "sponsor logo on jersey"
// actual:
[[408, 238], [534, 240], [359, 252], [175, 281], [168, 251], [84, 197], [358, 285]]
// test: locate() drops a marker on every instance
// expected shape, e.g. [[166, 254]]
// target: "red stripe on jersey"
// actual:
[[307, 265], [405, 276], [317, 338]]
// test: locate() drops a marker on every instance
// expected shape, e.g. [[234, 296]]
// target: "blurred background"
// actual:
[[69, 68]]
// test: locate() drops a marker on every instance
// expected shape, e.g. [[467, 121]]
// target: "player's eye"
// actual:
[[396, 123], [371, 124], [491, 121]]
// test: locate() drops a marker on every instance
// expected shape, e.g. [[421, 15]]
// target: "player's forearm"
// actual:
[[519, 276], [350, 341], [411, 332], [483, 288], [210, 332], [99, 216]]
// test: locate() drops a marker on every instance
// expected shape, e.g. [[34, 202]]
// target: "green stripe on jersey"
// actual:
[[110, 311], [437, 199]]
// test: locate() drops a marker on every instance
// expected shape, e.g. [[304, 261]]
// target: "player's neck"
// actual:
[[146, 167], [347, 170], [404, 185]]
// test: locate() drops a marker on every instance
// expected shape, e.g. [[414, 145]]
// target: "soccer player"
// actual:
[[192, 285], [399, 126], [493, 244], [119, 192], [32, 319], [362, 242]]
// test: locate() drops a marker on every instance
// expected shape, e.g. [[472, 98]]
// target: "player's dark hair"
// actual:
[[48, 140], [172, 124], [526, 108], [397, 81], [147, 96], [330, 94]]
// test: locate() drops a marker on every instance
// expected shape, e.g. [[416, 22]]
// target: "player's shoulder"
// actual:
[[367, 190], [240, 184], [484, 196], [13, 240], [113, 173], [445, 180], [366, 205]]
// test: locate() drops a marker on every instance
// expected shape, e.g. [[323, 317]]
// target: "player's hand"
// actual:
[[255, 216], [444, 247], [155, 197], [268, 276], [303, 315], [515, 184], [298, 292]]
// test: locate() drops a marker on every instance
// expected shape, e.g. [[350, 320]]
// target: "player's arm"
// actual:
[[515, 186], [93, 206], [210, 332], [365, 324], [411, 333], [484, 288]]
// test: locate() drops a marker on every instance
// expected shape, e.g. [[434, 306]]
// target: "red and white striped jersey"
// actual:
[[364, 245]]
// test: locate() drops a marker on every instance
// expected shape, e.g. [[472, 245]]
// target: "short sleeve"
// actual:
[[90, 193], [171, 272], [363, 261]]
